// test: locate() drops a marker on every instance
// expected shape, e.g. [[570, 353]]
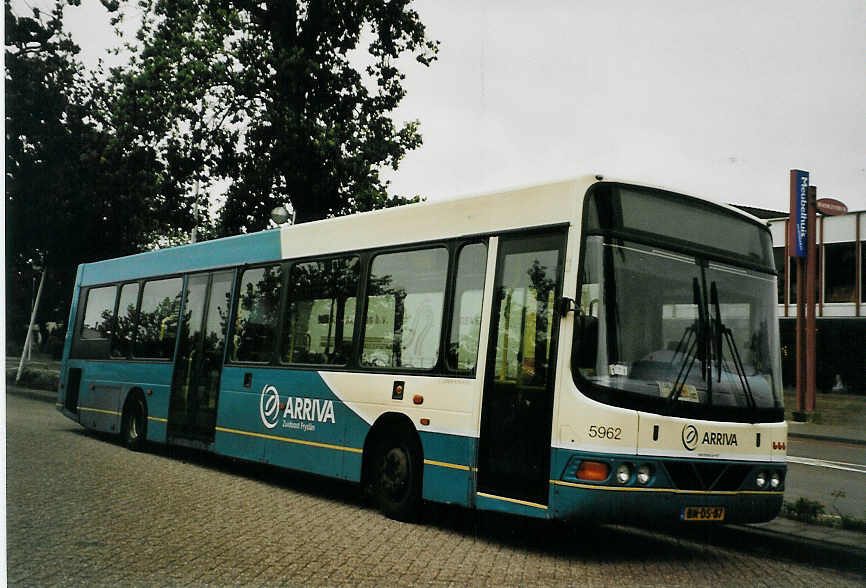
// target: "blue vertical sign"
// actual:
[[797, 224]]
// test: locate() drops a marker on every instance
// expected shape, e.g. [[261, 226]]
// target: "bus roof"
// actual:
[[516, 208]]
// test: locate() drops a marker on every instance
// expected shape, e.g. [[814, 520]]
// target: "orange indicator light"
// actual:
[[425, 421], [593, 470], [418, 399]]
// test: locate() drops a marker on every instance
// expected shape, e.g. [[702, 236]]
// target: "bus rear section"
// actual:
[[352, 348], [673, 411]]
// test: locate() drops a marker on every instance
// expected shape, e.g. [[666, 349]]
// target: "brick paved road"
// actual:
[[82, 510]]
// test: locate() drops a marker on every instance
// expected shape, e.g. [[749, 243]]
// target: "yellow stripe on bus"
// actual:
[[289, 440], [112, 412], [115, 413], [671, 490], [514, 500], [443, 464]]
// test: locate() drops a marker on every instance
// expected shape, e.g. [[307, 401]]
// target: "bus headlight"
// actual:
[[775, 480], [623, 473], [761, 479], [644, 473]]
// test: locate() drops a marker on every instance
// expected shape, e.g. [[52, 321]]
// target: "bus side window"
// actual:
[[157, 319], [586, 350], [124, 329], [98, 314], [255, 328], [321, 312], [93, 337], [466, 315], [405, 299]]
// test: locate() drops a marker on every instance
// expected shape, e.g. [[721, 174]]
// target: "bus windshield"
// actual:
[[676, 334]]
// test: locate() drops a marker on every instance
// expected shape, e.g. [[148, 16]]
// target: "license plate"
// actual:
[[703, 513]]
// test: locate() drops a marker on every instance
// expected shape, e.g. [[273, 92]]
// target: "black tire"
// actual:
[[133, 428], [397, 477]]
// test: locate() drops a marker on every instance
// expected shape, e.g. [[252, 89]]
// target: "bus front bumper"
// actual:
[[661, 505]]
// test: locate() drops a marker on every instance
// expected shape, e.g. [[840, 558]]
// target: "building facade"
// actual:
[[840, 295]]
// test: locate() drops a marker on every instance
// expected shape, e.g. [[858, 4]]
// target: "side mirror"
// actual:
[[566, 305]]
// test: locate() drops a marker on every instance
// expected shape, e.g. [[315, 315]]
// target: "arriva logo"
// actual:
[[298, 413], [269, 406], [690, 437]]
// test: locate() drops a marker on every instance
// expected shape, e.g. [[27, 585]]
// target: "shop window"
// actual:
[[863, 271], [779, 258], [840, 272]]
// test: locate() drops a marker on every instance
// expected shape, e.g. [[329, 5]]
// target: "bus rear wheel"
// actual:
[[133, 425], [397, 479]]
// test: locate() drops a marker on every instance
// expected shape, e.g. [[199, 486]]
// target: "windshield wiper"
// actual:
[[723, 334], [696, 329]]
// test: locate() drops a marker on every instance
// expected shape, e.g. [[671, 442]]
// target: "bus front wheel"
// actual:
[[397, 481], [133, 426]]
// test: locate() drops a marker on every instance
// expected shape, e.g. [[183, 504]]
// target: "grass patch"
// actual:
[[40, 372], [813, 512], [34, 378], [842, 410], [853, 523], [803, 510]]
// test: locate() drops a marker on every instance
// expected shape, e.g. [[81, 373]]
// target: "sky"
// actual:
[[716, 99]]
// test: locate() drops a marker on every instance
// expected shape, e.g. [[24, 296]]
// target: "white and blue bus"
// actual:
[[587, 348]]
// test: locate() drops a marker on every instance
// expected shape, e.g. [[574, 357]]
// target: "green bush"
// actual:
[[39, 379], [803, 509], [853, 523]]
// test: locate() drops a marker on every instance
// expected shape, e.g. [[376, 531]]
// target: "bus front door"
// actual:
[[199, 358], [517, 404]]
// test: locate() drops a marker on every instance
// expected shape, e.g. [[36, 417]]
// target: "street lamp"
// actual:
[[195, 213], [280, 215]]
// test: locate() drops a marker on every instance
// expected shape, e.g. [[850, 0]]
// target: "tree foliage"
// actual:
[[268, 98], [75, 190], [274, 101], [41, 132]]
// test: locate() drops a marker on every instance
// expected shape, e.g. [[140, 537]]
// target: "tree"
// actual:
[[269, 97], [40, 93], [75, 191]]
